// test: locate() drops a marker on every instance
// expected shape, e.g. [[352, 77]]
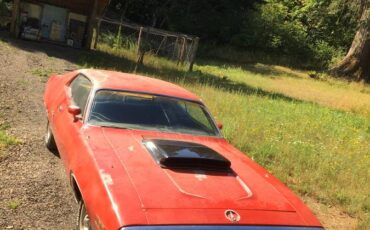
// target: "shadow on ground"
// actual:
[[262, 70], [103, 60]]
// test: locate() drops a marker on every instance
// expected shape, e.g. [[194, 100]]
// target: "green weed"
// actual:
[[5, 139], [41, 72], [14, 204]]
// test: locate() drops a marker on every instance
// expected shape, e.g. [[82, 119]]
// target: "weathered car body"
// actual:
[[113, 172]]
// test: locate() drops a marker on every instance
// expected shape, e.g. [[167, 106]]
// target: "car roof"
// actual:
[[105, 79]]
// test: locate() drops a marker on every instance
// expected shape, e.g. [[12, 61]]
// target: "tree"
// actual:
[[355, 65], [212, 20]]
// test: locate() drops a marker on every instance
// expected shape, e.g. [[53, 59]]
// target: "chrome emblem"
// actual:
[[232, 216]]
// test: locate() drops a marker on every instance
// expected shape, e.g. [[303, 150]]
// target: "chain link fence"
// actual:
[[178, 47]]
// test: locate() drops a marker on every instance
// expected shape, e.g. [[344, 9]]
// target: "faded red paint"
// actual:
[[122, 185]]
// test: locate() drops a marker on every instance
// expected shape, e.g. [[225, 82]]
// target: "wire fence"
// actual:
[[178, 47]]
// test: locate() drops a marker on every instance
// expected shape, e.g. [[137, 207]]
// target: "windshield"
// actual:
[[142, 111]]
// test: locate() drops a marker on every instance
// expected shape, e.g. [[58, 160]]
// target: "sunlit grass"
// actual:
[[14, 204], [42, 72], [332, 93], [312, 134], [5, 139], [316, 151]]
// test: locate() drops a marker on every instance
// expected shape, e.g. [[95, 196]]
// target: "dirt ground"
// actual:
[[34, 193], [33, 187]]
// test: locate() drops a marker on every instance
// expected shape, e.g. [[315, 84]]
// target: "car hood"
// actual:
[[191, 196]]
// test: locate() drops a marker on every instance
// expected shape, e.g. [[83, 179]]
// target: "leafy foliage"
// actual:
[[313, 31], [213, 20]]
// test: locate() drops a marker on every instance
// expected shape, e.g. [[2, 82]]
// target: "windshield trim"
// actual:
[[212, 120]]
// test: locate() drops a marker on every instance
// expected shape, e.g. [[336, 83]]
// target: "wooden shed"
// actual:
[[70, 22]]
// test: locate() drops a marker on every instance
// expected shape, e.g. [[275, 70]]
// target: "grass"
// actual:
[[41, 72], [312, 134], [297, 84], [316, 151], [5, 139], [14, 204]]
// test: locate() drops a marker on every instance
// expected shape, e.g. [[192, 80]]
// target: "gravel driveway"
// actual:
[[33, 187]]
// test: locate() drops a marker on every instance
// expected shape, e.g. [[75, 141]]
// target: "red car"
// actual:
[[144, 154]]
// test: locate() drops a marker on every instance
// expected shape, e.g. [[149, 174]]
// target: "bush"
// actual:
[[268, 29], [323, 54], [309, 31]]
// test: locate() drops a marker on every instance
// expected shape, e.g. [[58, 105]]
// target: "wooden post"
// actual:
[[189, 51], [91, 25], [174, 48], [193, 53], [97, 34], [15, 12], [140, 52], [182, 51], [179, 48], [140, 59], [139, 40]]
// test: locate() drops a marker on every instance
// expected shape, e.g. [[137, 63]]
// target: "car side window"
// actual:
[[80, 90], [198, 114]]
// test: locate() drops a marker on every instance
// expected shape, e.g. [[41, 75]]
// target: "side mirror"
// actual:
[[75, 111], [219, 125]]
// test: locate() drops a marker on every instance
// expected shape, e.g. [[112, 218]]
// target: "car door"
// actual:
[[69, 137]]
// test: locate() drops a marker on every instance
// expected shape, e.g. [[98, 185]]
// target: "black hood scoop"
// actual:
[[186, 155]]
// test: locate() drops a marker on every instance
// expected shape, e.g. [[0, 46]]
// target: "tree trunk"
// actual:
[[356, 64]]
